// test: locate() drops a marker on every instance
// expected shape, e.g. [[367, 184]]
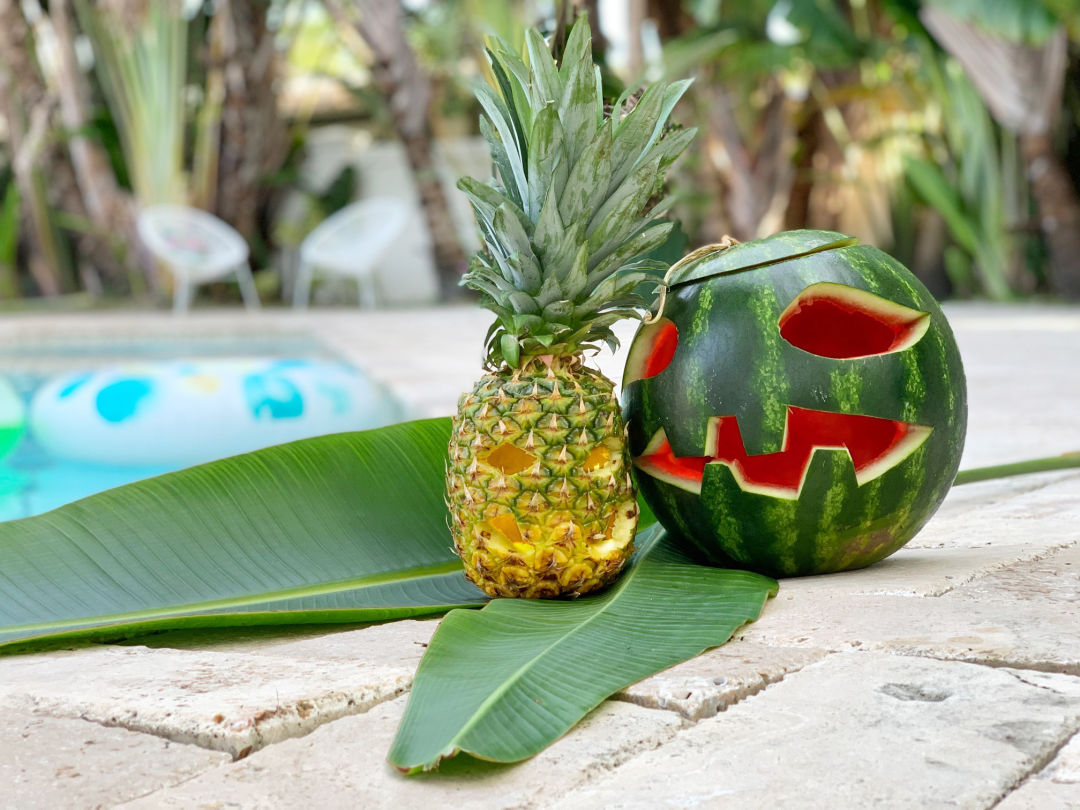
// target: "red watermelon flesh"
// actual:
[[874, 445], [831, 320]]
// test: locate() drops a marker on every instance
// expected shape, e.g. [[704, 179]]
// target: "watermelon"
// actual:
[[798, 408]]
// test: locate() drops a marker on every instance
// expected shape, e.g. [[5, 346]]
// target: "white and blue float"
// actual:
[[173, 414]]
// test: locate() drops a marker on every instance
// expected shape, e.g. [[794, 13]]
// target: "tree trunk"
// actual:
[[808, 138], [24, 106], [1059, 212], [108, 207], [754, 175], [407, 89], [253, 135]]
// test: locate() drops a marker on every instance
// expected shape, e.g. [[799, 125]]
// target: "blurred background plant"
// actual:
[[944, 131]]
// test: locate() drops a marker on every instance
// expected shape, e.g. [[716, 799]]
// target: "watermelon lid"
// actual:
[[716, 260]]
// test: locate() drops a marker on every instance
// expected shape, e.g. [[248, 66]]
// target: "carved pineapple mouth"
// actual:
[[873, 444]]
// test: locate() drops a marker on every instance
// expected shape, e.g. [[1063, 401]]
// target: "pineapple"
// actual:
[[541, 499]]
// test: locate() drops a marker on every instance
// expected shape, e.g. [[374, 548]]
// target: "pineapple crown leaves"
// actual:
[[570, 212]]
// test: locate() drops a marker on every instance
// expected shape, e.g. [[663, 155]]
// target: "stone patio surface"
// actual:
[[945, 676]]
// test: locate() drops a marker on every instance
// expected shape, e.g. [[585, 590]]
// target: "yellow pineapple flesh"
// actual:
[[539, 489]]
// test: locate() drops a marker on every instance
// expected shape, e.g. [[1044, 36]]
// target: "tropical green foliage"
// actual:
[[571, 211], [142, 66], [505, 682], [825, 114], [343, 528], [971, 177]]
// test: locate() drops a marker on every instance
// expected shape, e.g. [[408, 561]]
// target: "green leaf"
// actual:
[[503, 173], [513, 79], [504, 682], [9, 236], [487, 200], [506, 128], [634, 131], [577, 280], [671, 146], [647, 240], [578, 107], [343, 528], [557, 311], [514, 240], [549, 233], [615, 220], [511, 350], [550, 291], [931, 185], [545, 74], [545, 152], [507, 89], [1030, 23], [587, 183]]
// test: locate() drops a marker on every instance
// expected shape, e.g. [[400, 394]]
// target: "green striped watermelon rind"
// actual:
[[731, 360]]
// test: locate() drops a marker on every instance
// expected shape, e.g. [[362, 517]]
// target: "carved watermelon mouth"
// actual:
[[874, 446]]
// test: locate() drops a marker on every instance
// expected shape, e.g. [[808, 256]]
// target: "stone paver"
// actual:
[[708, 684], [49, 762], [983, 621], [1056, 786], [342, 765], [234, 702], [399, 645], [856, 730]]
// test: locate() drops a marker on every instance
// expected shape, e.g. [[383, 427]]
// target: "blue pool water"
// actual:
[[100, 415]]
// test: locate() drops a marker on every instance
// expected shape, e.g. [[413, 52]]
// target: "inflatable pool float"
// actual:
[[12, 418], [181, 413]]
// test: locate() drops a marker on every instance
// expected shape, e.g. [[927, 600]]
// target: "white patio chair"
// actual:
[[197, 248], [350, 243]]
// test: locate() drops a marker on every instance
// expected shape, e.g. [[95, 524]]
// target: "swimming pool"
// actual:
[[81, 416]]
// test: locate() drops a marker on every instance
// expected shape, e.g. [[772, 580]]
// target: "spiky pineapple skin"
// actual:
[[571, 502]]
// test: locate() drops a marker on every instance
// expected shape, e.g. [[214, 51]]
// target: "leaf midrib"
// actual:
[[518, 674], [354, 583]]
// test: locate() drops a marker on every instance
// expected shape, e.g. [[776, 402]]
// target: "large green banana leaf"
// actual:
[[504, 682], [342, 528]]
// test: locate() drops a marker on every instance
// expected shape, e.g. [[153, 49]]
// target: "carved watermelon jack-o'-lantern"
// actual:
[[800, 406]]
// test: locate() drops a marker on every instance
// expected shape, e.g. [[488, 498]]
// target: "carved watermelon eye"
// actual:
[[651, 351], [834, 320]]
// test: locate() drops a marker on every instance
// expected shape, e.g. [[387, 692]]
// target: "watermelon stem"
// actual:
[[724, 243], [1063, 462]]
